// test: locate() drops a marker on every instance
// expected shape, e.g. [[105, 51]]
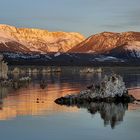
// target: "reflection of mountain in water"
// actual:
[[23, 101], [33, 100], [111, 113]]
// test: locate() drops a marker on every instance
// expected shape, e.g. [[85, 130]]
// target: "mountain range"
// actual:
[[70, 47]]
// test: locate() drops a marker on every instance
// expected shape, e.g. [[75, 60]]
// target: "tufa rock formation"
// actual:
[[3, 69], [111, 89]]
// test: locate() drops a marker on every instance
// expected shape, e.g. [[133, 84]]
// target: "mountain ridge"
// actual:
[[68, 47], [104, 42], [38, 40]]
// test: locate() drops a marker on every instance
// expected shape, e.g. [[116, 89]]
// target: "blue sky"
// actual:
[[85, 16]]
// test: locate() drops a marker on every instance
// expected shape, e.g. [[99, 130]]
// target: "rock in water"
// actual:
[[111, 89]]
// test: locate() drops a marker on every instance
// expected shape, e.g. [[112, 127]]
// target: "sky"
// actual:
[[85, 16]]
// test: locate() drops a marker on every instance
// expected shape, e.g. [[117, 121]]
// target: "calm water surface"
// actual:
[[29, 113]]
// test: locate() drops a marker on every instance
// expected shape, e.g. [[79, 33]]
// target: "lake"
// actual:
[[30, 113]]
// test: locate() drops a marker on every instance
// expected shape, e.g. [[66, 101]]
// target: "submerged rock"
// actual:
[[111, 89]]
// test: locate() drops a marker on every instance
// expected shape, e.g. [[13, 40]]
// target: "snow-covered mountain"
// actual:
[[105, 42], [35, 46], [36, 40], [7, 45], [129, 50]]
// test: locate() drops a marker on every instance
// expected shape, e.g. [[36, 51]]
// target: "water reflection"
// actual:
[[37, 99], [111, 113], [136, 93], [33, 101]]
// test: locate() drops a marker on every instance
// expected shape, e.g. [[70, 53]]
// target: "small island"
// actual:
[[111, 89]]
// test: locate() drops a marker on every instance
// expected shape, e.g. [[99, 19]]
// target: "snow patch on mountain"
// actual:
[[57, 54], [107, 58], [133, 46]]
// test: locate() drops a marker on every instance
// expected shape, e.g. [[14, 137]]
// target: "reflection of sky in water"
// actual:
[[44, 119]]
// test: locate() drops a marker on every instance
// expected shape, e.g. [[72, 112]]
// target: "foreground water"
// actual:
[[29, 113]]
